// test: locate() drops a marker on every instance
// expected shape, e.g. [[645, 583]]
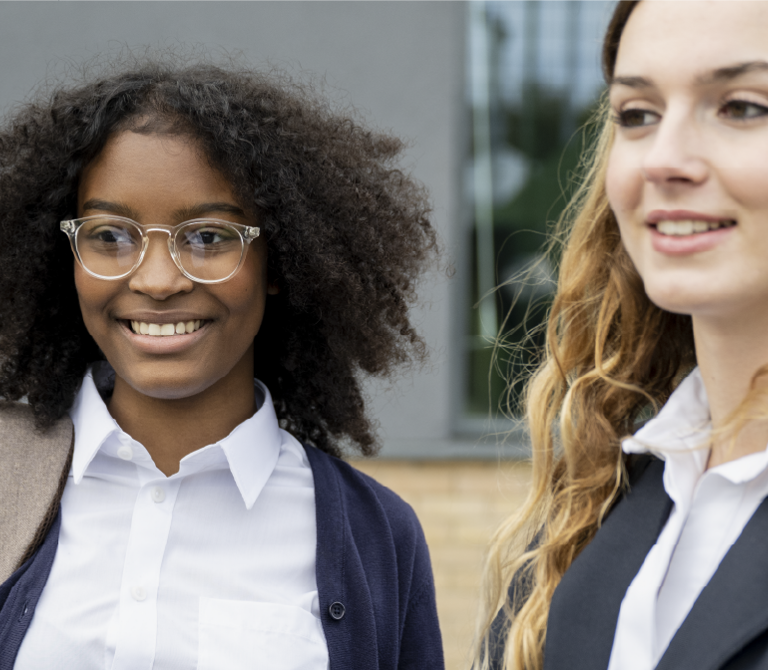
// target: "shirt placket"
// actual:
[[151, 520]]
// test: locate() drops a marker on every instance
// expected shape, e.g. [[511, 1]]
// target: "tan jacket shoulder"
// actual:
[[34, 465]]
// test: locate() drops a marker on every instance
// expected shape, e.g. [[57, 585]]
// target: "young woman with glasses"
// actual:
[[645, 547], [198, 265]]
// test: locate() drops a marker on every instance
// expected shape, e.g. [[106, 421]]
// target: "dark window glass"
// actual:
[[534, 81]]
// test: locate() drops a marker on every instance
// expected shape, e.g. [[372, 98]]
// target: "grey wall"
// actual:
[[401, 64]]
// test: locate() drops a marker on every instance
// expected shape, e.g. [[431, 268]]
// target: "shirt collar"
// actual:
[[682, 425], [251, 449], [679, 435], [93, 425]]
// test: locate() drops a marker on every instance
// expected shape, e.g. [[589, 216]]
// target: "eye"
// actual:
[[636, 118], [110, 235], [206, 237], [209, 236], [740, 110]]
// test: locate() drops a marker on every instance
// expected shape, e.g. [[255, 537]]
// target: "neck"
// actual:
[[172, 428], [729, 353]]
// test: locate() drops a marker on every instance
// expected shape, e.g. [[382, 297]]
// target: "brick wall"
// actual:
[[459, 503]]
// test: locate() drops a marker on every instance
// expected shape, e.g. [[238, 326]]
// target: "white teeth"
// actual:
[[690, 227], [165, 329]]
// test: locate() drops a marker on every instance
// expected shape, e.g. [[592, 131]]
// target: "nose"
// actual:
[[676, 154], [157, 275]]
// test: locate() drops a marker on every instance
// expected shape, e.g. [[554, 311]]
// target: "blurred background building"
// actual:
[[491, 97]]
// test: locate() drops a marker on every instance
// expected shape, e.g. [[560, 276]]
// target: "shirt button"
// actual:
[[158, 495], [139, 593], [337, 611], [125, 452]]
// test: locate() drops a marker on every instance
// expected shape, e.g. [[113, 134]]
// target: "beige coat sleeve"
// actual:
[[34, 466]]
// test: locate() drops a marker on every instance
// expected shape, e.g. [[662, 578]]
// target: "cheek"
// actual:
[[624, 189], [246, 302], [94, 296], [623, 181], [88, 293], [245, 299], [746, 182]]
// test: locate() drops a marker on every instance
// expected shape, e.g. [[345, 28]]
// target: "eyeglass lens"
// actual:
[[207, 250]]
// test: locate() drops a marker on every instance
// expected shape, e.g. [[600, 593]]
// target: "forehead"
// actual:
[[686, 38], [165, 161]]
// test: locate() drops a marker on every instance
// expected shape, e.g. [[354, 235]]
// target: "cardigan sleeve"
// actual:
[[420, 645]]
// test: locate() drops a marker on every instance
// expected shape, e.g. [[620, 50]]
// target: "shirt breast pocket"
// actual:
[[243, 635]]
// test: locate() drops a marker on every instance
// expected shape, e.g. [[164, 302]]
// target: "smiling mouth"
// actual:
[[690, 227], [166, 329]]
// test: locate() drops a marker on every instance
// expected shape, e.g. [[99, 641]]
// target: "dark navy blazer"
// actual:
[[377, 596], [727, 628]]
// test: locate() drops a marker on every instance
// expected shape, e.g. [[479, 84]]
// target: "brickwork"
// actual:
[[459, 503]]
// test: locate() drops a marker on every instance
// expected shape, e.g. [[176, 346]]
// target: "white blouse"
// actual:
[[710, 510], [210, 568]]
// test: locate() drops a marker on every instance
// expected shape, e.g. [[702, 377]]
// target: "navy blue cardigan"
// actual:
[[377, 597]]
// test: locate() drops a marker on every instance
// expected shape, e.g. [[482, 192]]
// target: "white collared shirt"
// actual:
[[711, 508], [210, 568]]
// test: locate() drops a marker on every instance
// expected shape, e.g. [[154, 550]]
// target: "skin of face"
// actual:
[[166, 180], [690, 92]]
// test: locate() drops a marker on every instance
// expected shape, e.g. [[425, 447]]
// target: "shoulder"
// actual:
[[19, 436], [357, 516], [364, 500], [640, 465], [33, 468], [16, 420], [644, 495]]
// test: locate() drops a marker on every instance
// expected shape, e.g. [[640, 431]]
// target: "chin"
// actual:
[[168, 386], [685, 300]]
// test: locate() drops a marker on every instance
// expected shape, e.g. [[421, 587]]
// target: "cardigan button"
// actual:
[[336, 611]]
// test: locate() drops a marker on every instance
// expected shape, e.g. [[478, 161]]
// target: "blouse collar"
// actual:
[[250, 451]]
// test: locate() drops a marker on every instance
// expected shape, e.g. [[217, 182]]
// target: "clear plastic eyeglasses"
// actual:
[[208, 251]]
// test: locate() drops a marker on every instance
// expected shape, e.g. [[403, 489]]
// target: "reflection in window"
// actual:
[[534, 79]]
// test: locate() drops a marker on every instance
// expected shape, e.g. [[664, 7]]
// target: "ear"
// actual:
[[273, 288]]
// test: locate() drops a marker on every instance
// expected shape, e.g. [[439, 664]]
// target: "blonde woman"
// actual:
[[650, 550]]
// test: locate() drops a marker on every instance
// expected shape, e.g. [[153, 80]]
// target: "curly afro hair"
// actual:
[[348, 234]]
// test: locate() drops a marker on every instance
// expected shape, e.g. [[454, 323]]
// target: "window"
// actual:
[[533, 81]]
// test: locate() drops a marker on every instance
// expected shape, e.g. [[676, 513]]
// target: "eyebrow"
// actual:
[[203, 208], [184, 214], [733, 71], [630, 82], [107, 206], [716, 76]]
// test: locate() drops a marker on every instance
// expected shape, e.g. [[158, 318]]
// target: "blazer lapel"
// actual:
[[33, 470], [733, 607], [585, 606]]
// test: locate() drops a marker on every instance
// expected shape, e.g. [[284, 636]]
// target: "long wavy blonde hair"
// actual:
[[610, 355]]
